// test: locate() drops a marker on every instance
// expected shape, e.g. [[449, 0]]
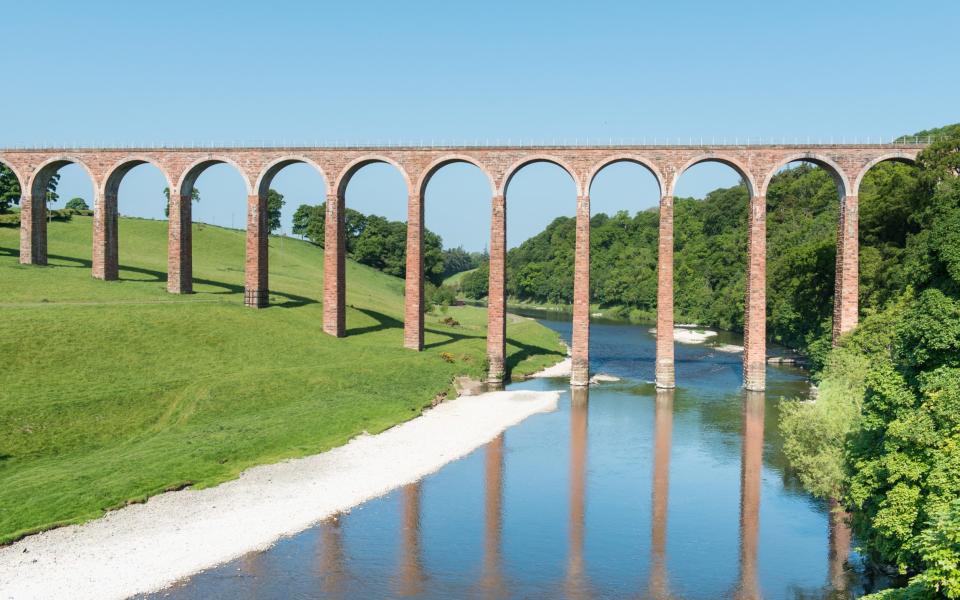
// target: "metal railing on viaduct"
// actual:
[[756, 164]]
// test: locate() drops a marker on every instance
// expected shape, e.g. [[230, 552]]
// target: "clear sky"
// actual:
[[177, 72]]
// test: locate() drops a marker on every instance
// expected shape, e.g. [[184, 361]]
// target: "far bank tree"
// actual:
[[77, 203], [373, 240]]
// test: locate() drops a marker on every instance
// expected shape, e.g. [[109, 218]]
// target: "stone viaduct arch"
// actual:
[[413, 308], [181, 166], [497, 286], [334, 263], [106, 258]]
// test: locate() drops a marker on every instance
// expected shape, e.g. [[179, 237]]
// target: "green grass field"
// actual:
[[113, 391]]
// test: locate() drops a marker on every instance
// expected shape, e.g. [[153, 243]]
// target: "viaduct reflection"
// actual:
[[839, 548], [659, 584], [576, 583], [331, 563], [491, 582], [412, 576], [751, 465]]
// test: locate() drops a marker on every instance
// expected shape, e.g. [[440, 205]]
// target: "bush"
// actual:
[[443, 296], [77, 204]]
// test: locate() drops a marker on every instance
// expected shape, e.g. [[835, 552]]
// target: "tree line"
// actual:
[[382, 244]]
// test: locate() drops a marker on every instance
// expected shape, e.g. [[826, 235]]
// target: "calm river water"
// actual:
[[622, 492]]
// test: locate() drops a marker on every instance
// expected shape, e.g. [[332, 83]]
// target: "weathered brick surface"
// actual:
[[334, 268], [751, 471], [497, 292], [580, 351], [847, 286], [755, 319], [181, 166], [180, 244], [33, 231], [664, 370], [105, 240], [255, 289], [413, 298]]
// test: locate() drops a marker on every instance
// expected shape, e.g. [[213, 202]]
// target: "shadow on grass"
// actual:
[[524, 352], [382, 322], [292, 300]]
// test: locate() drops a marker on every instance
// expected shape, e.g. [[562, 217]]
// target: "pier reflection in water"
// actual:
[[663, 430], [751, 465], [624, 491]]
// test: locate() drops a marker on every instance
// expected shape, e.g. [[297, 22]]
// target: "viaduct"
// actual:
[[756, 164]]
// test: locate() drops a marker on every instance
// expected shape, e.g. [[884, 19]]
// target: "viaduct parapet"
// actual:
[[756, 164]]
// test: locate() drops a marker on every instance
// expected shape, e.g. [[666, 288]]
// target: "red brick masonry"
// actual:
[[181, 166]]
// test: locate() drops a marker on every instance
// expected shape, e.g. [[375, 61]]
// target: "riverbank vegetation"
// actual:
[[883, 436], [114, 391]]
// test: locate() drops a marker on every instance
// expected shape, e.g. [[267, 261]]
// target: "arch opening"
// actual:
[[541, 205], [291, 192], [289, 184], [889, 194], [538, 162], [56, 184], [624, 206], [213, 208], [370, 209], [137, 192], [831, 168], [710, 218], [457, 194], [804, 202]]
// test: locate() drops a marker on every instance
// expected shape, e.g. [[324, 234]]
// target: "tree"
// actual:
[[194, 195], [10, 188], [77, 204], [373, 240], [275, 204], [457, 260], [475, 284], [52, 195]]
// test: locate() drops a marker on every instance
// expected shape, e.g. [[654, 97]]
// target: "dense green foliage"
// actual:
[[457, 260], [115, 391], [884, 434], [275, 204], [373, 240], [10, 188]]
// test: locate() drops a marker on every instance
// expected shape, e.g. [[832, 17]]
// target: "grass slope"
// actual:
[[457, 278], [113, 391]]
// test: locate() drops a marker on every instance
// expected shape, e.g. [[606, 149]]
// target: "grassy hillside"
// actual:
[[113, 391], [456, 279]]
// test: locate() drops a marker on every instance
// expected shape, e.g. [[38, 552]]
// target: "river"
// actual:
[[622, 492]]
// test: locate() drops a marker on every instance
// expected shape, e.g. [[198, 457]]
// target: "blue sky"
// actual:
[[305, 72]]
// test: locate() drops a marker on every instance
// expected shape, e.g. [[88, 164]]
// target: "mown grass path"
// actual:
[[113, 391]]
